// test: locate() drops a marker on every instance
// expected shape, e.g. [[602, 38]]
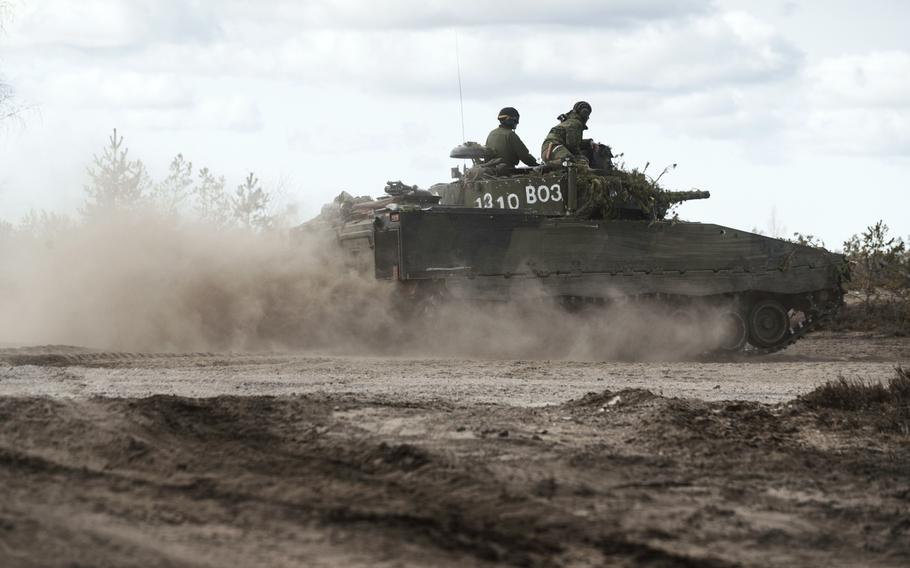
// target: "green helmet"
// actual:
[[582, 109], [508, 117]]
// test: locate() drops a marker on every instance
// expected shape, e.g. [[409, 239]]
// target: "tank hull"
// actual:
[[494, 254], [764, 293]]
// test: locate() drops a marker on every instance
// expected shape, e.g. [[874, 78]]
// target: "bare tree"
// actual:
[[281, 210], [8, 108]]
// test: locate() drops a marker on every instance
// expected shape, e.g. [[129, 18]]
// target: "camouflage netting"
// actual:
[[600, 196]]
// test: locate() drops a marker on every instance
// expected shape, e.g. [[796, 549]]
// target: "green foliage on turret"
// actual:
[[619, 192]]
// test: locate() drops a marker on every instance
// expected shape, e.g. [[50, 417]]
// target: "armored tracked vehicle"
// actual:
[[584, 234]]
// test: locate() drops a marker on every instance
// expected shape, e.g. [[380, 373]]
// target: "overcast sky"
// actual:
[[801, 108]]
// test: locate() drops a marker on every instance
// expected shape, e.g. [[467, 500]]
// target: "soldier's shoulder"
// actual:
[[515, 138]]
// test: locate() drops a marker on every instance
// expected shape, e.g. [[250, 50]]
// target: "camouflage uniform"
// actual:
[[508, 146], [564, 140]]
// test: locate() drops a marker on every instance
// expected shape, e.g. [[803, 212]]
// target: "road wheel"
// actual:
[[733, 333], [685, 317], [769, 324]]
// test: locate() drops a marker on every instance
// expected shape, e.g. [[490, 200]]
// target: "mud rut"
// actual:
[[333, 477]]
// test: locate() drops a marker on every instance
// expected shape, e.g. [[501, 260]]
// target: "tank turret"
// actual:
[[591, 188]]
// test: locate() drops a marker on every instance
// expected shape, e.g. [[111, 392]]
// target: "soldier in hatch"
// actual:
[[505, 142], [565, 139]]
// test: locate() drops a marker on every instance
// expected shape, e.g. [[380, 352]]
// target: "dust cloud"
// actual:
[[545, 330], [154, 283]]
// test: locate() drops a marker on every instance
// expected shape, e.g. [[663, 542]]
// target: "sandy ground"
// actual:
[[114, 459], [60, 371]]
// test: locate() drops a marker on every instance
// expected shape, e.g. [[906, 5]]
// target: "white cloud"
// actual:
[[657, 56], [112, 89], [873, 79], [111, 24], [426, 14], [859, 104], [858, 131], [236, 113], [628, 55], [729, 113], [90, 23], [310, 87], [671, 56]]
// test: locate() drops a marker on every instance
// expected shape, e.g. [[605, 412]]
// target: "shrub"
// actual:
[[878, 292], [880, 275], [888, 405]]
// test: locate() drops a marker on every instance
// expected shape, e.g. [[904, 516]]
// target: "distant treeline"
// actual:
[[118, 184]]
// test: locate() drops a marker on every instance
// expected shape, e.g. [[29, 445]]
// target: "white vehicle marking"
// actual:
[[533, 194]]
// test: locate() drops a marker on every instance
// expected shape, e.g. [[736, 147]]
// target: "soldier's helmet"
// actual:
[[582, 109], [508, 117]]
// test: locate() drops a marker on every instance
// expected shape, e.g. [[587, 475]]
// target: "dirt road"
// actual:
[[288, 460], [74, 372]]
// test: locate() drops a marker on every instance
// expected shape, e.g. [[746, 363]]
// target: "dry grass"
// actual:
[[887, 404], [887, 318]]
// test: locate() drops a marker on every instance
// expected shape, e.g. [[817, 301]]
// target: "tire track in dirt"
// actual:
[[620, 478], [55, 357]]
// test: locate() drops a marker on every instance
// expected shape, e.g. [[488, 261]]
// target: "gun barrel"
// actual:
[[679, 196]]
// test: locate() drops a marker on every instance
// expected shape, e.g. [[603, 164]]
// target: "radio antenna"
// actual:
[[460, 96]]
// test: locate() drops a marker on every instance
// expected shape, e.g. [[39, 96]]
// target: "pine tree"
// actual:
[[43, 224], [880, 266], [172, 191], [116, 183], [250, 203], [212, 203]]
